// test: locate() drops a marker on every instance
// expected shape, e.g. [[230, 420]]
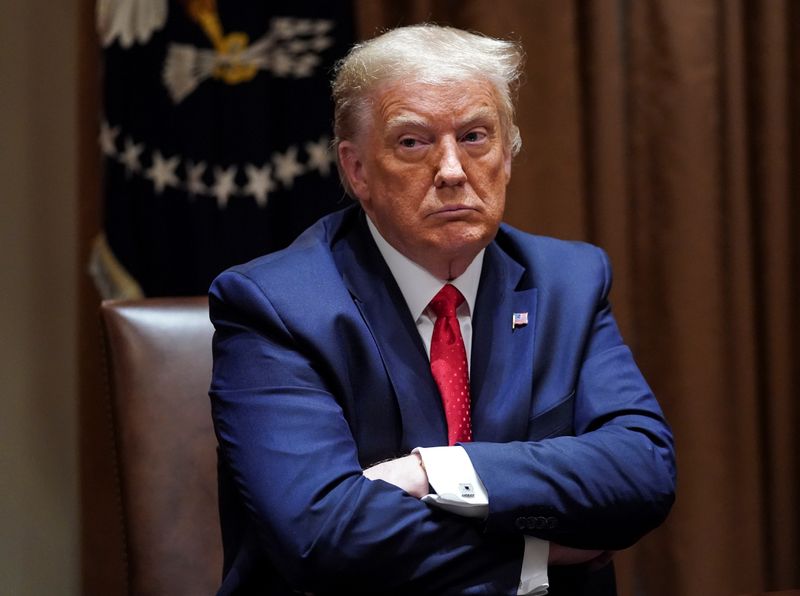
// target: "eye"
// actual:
[[474, 136], [408, 142]]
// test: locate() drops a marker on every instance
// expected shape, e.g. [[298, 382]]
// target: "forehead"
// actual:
[[445, 104]]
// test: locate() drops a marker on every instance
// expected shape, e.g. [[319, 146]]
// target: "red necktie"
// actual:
[[449, 364]]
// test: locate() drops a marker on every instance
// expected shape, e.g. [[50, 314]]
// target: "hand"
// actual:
[[564, 555], [406, 473]]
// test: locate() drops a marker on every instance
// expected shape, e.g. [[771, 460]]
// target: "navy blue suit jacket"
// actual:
[[319, 371]]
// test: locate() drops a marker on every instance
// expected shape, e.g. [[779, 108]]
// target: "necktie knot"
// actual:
[[446, 301]]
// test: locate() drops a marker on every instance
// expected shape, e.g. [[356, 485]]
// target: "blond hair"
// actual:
[[429, 54]]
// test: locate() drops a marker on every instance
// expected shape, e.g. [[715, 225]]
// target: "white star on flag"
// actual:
[[108, 139], [224, 185], [162, 172], [287, 168], [259, 183], [130, 156], [194, 178], [319, 156]]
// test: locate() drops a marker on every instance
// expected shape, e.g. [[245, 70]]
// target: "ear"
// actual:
[[507, 165], [353, 169]]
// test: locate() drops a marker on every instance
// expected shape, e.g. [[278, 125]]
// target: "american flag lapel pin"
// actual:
[[519, 319]]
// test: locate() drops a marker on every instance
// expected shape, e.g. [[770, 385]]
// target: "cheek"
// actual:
[[393, 175], [410, 189], [492, 189], [414, 175], [491, 181]]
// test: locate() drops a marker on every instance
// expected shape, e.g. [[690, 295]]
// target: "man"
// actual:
[[414, 398]]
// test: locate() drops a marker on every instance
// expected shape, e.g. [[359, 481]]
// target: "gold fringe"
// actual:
[[110, 278]]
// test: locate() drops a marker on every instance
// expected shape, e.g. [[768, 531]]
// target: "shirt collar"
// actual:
[[417, 284]]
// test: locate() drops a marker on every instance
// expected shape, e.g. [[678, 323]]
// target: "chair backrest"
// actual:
[[159, 360]]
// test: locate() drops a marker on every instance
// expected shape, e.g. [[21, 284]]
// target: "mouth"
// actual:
[[454, 210]]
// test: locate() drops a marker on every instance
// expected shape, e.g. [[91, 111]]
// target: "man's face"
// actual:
[[430, 169]]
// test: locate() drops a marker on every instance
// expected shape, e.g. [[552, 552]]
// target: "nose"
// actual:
[[449, 170]]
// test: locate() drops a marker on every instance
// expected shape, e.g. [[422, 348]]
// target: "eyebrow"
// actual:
[[483, 113], [405, 121], [412, 121]]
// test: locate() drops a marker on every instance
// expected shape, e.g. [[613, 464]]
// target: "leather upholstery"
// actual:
[[159, 357]]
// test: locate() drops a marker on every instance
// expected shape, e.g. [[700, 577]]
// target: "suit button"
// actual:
[[552, 523], [541, 523], [520, 522]]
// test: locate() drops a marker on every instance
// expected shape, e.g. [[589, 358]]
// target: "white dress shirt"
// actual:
[[450, 471]]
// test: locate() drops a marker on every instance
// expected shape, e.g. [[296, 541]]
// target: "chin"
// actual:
[[466, 244]]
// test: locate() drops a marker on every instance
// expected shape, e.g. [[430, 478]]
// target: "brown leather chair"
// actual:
[[159, 361]]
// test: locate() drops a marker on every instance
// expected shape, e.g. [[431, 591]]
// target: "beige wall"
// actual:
[[38, 246]]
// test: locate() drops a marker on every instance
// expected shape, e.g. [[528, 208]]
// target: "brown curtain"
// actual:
[[668, 132]]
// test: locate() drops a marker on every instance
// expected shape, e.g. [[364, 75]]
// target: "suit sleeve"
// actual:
[[284, 438], [610, 483]]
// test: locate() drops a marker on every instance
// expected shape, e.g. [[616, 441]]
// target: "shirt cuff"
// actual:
[[533, 577], [456, 485]]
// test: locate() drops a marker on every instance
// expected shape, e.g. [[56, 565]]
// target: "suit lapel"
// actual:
[[501, 368], [502, 356], [386, 314]]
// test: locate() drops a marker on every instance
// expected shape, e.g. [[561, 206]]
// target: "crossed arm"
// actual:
[[408, 474], [327, 525]]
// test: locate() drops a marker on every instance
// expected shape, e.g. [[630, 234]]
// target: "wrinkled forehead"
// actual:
[[401, 103]]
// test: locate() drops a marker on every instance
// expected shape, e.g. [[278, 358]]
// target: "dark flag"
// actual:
[[216, 135]]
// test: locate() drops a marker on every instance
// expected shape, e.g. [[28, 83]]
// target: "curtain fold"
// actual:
[[774, 214], [668, 132]]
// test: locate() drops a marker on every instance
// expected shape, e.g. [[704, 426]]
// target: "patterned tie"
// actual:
[[449, 364]]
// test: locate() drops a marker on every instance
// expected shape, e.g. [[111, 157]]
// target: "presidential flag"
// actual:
[[215, 134]]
